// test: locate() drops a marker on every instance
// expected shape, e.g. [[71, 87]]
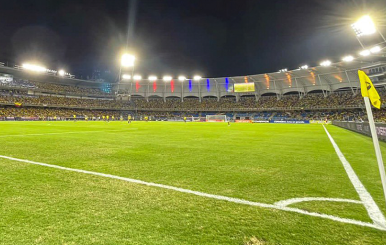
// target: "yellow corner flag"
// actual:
[[368, 89]]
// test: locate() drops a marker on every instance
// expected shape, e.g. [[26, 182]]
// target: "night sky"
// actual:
[[213, 38]]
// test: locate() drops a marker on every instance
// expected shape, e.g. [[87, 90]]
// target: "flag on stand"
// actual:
[[368, 90]]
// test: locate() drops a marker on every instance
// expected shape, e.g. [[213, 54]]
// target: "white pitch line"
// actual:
[[71, 132], [368, 201], [291, 201], [202, 194]]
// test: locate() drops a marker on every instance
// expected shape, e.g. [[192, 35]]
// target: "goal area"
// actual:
[[216, 118]]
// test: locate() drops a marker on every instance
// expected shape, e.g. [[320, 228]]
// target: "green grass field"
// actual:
[[263, 163]]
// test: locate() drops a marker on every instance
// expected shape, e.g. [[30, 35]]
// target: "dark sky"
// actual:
[[211, 37]]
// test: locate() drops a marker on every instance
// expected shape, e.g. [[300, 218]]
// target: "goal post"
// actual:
[[216, 118]]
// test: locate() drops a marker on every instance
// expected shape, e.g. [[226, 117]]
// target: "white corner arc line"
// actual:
[[368, 201], [291, 201], [202, 194]]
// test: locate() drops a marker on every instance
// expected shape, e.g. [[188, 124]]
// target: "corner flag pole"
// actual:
[[376, 144]]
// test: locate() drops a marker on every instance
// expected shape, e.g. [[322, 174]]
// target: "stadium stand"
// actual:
[[312, 94]]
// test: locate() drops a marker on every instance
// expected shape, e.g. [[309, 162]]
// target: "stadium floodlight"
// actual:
[[127, 60], [197, 78], [61, 73], [181, 78], [304, 67], [348, 58], [326, 63], [375, 49], [364, 26], [137, 77], [283, 70], [167, 78], [365, 52], [152, 78], [126, 77], [35, 68]]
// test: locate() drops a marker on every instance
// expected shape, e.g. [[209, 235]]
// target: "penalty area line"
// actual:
[[367, 200], [203, 194]]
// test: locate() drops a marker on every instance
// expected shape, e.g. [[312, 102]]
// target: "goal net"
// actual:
[[198, 119], [216, 118]]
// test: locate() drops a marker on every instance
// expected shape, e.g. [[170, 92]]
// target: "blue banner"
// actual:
[[291, 121]]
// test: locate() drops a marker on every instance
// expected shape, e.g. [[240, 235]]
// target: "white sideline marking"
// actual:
[[71, 132], [291, 201], [202, 194], [368, 201]]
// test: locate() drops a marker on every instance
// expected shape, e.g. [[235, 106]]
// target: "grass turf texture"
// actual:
[[260, 162]]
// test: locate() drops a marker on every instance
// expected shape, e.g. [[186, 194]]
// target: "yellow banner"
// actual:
[[244, 87]]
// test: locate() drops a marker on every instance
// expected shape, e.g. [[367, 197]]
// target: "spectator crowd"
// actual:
[[343, 105]]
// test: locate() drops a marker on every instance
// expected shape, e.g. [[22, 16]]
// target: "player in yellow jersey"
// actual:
[[108, 118], [103, 118], [184, 119], [146, 118], [129, 119], [112, 118], [74, 116]]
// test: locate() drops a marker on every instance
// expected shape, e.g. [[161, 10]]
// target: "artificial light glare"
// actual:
[[152, 78], [127, 60], [35, 68], [375, 49], [364, 26], [137, 77], [365, 52], [304, 67], [326, 63], [348, 58], [126, 77], [167, 78], [197, 78]]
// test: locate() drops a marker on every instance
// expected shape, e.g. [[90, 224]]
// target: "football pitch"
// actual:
[[187, 183]]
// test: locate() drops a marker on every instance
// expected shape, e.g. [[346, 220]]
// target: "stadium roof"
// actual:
[[303, 80]]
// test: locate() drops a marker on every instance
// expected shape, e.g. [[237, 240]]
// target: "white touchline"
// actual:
[[202, 194], [368, 201]]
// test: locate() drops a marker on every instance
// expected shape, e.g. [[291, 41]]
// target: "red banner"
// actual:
[[172, 85], [137, 86]]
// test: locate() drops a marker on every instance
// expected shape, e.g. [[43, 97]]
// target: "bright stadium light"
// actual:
[[35, 68], [61, 73], [197, 78], [304, 67], [348, 58], [326, 63], [167, 78], [127, 60], [126, 77], [283, 70], [152, 78], [181, 78], [364, 26], [137, 77], [375, 49], [365, 52]]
